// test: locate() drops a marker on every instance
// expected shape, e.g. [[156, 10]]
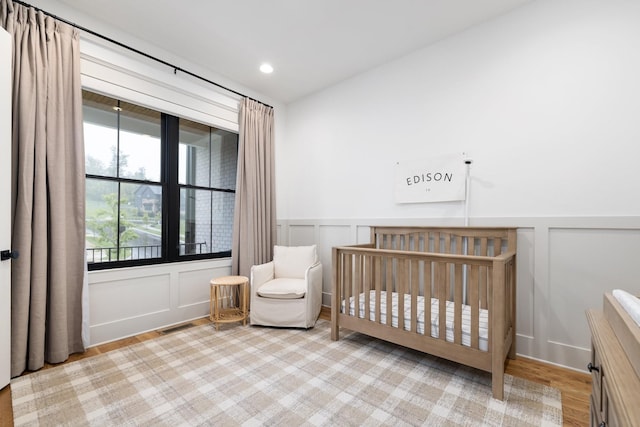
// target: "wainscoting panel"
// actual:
[[279, 236], [525, 291], [328, 237], [130, 301], [363, 233], [526, 284], [564, 266], [302, 235], [144, 295], [584, 263], [120, 306], [194, 286]]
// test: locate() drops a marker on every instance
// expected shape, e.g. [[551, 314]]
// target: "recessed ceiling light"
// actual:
[[266, 68]]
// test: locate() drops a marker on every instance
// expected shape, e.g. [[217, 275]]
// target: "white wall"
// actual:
[[545, 100]]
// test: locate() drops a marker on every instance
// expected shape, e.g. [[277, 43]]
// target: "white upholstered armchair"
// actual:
[[287, 291]]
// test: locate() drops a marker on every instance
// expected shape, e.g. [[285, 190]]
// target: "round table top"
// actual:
[[229, 280]]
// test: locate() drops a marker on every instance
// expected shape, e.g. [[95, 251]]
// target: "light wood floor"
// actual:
[[574, 386]]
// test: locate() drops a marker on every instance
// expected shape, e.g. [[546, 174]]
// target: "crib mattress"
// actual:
[[435, 330]]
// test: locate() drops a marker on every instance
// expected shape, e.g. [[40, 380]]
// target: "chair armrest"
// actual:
[[313, 275], [260, 274]]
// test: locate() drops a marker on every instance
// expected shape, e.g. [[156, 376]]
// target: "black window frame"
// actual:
[[169, 165]]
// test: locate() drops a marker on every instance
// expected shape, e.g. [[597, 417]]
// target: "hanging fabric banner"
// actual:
[[438, 178]]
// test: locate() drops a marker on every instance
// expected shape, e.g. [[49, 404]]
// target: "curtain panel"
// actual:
[[254, 225], [48, 192]]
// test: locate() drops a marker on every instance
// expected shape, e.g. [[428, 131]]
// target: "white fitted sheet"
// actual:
[[630, 303], [435, 330]]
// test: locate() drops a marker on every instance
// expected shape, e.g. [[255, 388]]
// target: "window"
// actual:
[[207, 181], [159, 188]]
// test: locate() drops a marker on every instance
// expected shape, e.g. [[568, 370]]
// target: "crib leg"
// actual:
[[335, 327], [511, 342], [512, 351], [335, 334], [497, 384]]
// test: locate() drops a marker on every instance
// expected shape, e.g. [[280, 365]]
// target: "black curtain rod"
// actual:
[[139, 52]]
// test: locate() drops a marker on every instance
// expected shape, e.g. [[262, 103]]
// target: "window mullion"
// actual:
[[171, 221], [210, 185], [118, 109]]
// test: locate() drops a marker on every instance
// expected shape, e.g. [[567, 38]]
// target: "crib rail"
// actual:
[[485, 241], [481, 282]]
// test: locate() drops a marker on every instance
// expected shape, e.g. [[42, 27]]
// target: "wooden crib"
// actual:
[[455, 286]]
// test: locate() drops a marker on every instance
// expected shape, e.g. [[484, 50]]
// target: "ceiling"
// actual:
[[310, 44]]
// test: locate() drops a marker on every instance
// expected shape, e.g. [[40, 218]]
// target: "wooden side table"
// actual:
[[228, 300]]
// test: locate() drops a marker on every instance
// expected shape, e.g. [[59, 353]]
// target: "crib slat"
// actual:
[[377, 285], [483, 246], [367, 281], [483, 290], [448, 283], [347, 281], [360, 284], [447, 243], [442, 300], [457, 311], [424, 242], [488, 273], [402, 280], [415, 290], [428, 283], [497, 246], [356, 282], [389, 288], [474, 304]]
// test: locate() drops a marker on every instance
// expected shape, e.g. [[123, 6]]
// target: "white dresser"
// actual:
[[614, 366]]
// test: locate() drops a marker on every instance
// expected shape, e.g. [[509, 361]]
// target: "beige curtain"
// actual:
[[254, 225], [48, 189]]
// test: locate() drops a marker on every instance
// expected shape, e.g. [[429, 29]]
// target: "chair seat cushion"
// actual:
[[283, 288]]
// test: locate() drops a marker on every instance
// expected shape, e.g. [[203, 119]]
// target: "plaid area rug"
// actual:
[[254, 376]]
